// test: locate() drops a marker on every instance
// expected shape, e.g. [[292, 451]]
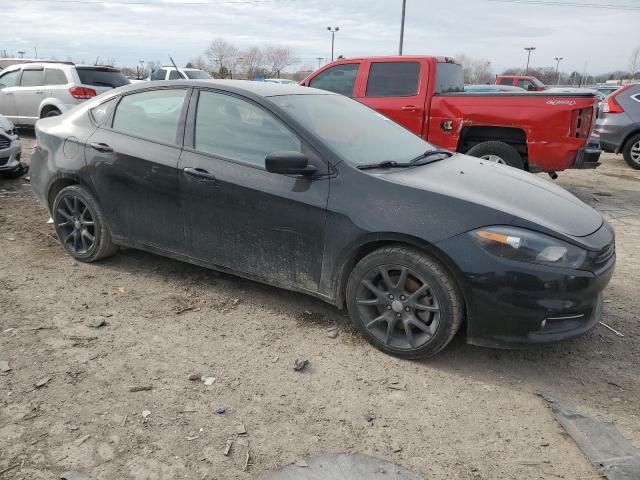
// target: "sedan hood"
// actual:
[[520, 194]]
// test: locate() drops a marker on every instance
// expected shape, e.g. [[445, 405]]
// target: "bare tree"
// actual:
[[277, 58], [223, 55], [634, 61], [475, 70], [253, 61]]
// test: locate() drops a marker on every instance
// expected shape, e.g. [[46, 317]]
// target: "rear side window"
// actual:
[[506, 81], [233, 128], [174, 75], [55, 76], [102, 112], [159, 74], [9, 79], [393, 79], [526, 84], [101, 77], [449, 78], [153, 115], [339, 79], [32, 78]]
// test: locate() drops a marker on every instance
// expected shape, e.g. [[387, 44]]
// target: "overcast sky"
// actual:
[[133, 30]]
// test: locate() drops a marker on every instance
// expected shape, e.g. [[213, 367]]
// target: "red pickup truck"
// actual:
[[523, 81], [535, 131]]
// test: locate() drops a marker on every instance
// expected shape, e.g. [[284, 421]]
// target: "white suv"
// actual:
[[30, 91]]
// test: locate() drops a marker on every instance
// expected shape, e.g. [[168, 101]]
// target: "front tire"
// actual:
[[81, 226], [498, 152], [631, 152], [404, 302]]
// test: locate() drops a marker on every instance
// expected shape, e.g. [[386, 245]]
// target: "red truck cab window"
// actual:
[[393, 79], [338, 79]]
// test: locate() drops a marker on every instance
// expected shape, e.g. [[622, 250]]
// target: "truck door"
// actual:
[[397, 89]]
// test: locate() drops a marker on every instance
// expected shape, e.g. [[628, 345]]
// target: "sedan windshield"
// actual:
[[196, 74], [355, 132]]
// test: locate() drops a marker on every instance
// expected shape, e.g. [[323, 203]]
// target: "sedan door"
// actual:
[[30, 95], [133, 161], [241, 217]]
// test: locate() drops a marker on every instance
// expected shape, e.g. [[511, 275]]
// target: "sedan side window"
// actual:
[[32, 78], [9, 79], [339, 79], [153, 114], [229, 127], [101, 113]]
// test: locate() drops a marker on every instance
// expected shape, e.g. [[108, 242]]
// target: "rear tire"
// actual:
[[81, 226], [498, 152], [631, 152], [404, 302], [53, 112]]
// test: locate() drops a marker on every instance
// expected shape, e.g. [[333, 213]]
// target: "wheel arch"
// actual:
[[627, 137], [472, 135], [374, 241], [58, 184], [49, 104]]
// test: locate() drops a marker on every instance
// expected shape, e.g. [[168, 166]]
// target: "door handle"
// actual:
[[200, 174], [101, 147], [39, 91], [409, 108]]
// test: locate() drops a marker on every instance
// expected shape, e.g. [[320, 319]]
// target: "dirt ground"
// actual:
[[470, 413]]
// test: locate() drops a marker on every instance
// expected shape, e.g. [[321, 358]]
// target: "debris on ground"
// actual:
[[208, 380], [195, 376], [81, 440], [146, 413], [395, 385], [395, 447], [241, 429], [42, 382], [190, 439], [97, 322], [140, 388], [302, 464], [4, 366], [300, 364], [220, 410], [332, 332], [246, 462], [227, 449], [612, 329], [74, 476]]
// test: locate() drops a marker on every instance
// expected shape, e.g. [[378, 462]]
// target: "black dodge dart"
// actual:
[[311, 191]]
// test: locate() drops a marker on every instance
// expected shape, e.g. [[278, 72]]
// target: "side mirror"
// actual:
[[289, 163]]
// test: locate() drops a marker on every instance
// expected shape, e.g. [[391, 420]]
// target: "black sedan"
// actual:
[[314, 192]]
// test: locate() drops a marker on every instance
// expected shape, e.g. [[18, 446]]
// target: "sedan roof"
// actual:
[[263, 89]]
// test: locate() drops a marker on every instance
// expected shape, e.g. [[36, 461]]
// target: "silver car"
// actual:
[[34, 90], [618, 127], [10, 149]]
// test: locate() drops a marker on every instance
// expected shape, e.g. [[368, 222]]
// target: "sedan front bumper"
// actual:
[[513, 303], [10, 156]]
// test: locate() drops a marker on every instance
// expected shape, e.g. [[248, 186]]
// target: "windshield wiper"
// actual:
[[414, 162], [431, 153]]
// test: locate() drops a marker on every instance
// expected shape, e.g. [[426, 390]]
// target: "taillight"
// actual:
[[612, 105], [82, 93], [581, 120]]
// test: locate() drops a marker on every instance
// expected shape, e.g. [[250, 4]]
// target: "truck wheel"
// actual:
[[404, 302], [498, 152], [631, 152]]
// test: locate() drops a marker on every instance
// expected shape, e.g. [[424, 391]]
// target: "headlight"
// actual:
[[527, 246]]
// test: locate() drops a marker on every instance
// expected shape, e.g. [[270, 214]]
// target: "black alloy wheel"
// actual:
[[81, 226], [76, 225], [404, 302]]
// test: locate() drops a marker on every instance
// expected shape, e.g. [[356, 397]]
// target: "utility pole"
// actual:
[[557, 59], [404, 8], [333, 37], [584, 72], [529, 50], [319, 61], [21, 53], [35, 49]]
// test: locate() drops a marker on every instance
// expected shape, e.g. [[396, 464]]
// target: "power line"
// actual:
[[158, 4], [556, 3]]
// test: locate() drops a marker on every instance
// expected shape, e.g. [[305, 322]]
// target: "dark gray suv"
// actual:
[[618, 127]]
